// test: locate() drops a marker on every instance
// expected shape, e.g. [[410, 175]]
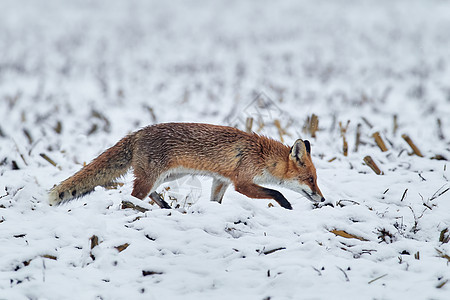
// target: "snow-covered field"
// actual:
[[76, 76]]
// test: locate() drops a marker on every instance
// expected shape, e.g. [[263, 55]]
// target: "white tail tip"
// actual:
[[53, 197]]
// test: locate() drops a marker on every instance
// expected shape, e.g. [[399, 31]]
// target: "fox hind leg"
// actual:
[[143, 184], [218, 189], [141, 188]]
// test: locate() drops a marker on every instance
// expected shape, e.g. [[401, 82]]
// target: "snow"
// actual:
[[76, 76]]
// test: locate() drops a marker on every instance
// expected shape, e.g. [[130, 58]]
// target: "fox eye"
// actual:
[[311, 179]]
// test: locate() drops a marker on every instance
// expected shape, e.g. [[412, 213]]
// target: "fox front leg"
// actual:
[[218, 189], [252, 190]]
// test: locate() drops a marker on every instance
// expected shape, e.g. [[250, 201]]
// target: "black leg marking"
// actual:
[[277, 196], [160, 201]]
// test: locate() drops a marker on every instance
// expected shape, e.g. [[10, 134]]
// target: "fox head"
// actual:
[[302, 173]]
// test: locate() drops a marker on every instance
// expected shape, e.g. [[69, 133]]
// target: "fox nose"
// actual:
[[322, 199]]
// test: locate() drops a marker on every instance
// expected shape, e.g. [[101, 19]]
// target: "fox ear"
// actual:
[[307, 146], [298, 150]]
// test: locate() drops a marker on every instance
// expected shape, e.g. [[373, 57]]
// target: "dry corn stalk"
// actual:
[[122, 247], [347, 235], [28, 135], [58, 127], [375, 279], [261, 125], [440, 132], [416, 150], [369, 161], [367, 122], [379, 141], [151, 111], [99, 116], [395, 127], [128, 204], [311, 125], [344, 146], [444, 237], [344, 140], [249, 124], [49, 256], [439, 157], [51, 161], [441, 285], [443, 255], [358, 137], [94, 243], [151, 273], [404, 195], [281, 130]]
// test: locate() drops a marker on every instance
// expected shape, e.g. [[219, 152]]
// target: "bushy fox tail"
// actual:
[[103, 170]]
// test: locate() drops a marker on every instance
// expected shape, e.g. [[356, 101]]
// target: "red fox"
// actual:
[[165, 152]]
